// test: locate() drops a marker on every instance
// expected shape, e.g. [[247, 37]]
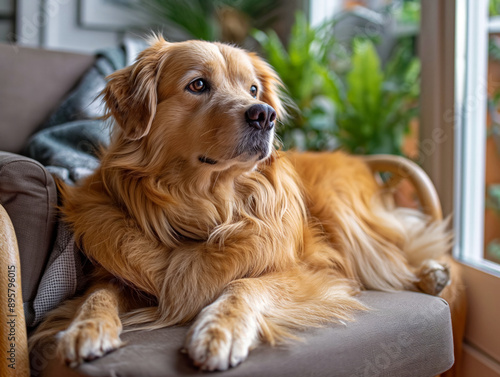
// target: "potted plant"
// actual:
[[343, 98]]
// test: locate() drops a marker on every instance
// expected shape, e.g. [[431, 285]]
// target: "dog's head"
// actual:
[[209, 104]]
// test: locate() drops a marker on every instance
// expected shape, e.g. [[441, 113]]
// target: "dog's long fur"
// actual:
[[192, 216]]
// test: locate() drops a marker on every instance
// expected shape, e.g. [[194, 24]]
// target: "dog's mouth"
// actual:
[[206, 160], [255, 144], [252, 146], [211, 161]]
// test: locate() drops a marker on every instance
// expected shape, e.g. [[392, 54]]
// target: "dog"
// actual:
[[195, 216]]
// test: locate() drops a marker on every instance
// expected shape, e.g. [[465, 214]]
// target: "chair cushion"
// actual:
[[28, 194], [405, 334]]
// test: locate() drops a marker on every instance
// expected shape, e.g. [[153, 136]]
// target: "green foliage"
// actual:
[[379, 103], [358, 120], [192, 16], [493, 249], [493, 198], [408, 12], [199, 19], [364, 108], [311, 84], [494, 8], [493, 47]]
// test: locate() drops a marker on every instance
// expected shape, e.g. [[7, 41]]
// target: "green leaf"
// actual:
[[365, 79], [333, 86], [365, 109], [276, 53], [493, 249], [195, 17], [493, 197]]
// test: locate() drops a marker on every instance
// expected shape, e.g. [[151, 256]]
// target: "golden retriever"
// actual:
[[194, 215]]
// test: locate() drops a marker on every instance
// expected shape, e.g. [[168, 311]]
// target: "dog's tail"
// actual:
[[424, 239]]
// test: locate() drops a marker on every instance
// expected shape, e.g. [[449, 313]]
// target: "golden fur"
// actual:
[[250, 246]]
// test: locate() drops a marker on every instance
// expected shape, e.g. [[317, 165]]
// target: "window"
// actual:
[[456, 91], [478, 163]]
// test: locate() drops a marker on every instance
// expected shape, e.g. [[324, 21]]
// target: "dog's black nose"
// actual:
[[260, 116]]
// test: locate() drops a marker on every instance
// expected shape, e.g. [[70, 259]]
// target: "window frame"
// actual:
[[450, 74], [473, 105], [453, 97]]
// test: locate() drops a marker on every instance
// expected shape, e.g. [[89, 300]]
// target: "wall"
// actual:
[[57, 24], [89, 25]]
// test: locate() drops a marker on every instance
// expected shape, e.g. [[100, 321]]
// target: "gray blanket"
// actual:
[[67, 144]]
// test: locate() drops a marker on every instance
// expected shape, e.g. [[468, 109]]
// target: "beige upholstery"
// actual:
[[30, 92], [13, 341]]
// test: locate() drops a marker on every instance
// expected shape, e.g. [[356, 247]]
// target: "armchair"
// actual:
[[406, 333]]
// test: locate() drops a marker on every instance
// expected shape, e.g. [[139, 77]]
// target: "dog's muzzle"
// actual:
[[258, 137], [256, 140]]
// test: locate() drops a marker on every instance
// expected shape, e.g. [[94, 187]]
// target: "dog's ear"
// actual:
[[272, 91], [131, 93]]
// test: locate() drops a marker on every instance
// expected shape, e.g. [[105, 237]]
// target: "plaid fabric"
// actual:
[[61, 279]]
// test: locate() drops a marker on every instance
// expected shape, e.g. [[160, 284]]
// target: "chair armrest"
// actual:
[[402, 168], [13, 341]]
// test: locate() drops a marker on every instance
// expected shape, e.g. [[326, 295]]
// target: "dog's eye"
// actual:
[[197, 86], [253, 91]]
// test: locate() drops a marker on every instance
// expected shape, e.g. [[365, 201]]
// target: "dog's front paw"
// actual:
[[217, 342], [433, 277], [87, 340]]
